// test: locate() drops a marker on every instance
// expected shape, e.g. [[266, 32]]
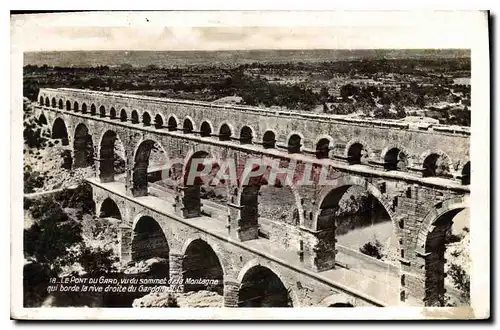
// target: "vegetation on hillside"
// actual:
[[383, 88]]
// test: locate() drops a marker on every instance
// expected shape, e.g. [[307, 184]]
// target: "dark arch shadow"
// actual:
[[83, 148], [109, 209], [59, 131], [149, 241], [261, 287], [201, 262]]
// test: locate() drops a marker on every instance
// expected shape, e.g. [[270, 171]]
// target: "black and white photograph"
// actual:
[[174, 165]]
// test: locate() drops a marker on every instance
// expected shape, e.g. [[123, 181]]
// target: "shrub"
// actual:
[[48, 238], [96, 261], [461, 281], [32, 180], [372, 249]]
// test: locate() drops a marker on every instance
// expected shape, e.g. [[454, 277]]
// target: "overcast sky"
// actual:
[[233, 30]]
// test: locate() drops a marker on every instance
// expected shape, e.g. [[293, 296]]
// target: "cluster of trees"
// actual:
[[213, 82], [54, 241], [415, 66]]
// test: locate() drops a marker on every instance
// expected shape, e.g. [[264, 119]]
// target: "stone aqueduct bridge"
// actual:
[[419, 175]]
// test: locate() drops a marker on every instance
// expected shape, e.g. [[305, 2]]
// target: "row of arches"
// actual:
[[356, 152], [326, 218], [259, 287]]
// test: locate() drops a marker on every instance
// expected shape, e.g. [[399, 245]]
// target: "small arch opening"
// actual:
[[146, 119], [172, 124], [201, 261], [75, 106], [135, 117], [395, 160], [61, 104], [59, 131], [41, 100], [246, 135], [294, 144], [466, 174], [93, 109], [47, 102], [54, 102], [435, 165], [205, 129], [84, 108], [112, 113], [123, 115], [187, 127], [341, 304], [261, 287], [356, 154], [225, 133], [68, 105], [109, 209], [269, 140], [323, 149], [102, 111], [158, 121]]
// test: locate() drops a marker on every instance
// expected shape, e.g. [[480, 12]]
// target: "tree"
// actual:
[[348, 90]]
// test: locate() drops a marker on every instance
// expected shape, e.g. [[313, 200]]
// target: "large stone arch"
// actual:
[[108, 208], [465, 173], [149, 241], [432, 240], [338, 300], [60, 131], [188, 125], [437, 211], [344, 182], [106, 155], [191, 196], [83, 147], [141, 162], [248, 197], [159, 121], [287, 289], [201, 261]]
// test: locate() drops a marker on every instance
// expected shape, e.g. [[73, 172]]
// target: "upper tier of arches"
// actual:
[[393, 157]]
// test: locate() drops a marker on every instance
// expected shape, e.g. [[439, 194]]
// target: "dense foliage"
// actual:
[[394, 84], [55, 242]]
